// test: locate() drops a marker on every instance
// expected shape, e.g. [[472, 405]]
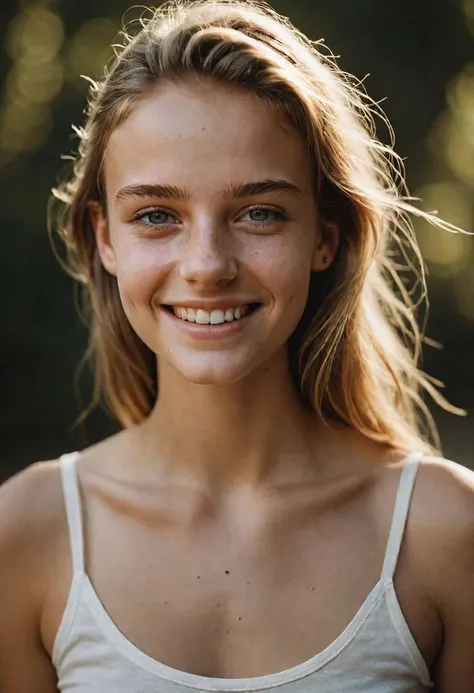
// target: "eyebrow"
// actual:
[[263, 186], [173, 192]]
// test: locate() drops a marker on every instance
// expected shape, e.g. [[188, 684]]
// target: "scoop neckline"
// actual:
[[164, 671]]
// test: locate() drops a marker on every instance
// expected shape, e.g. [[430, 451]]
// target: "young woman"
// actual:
[[273, 514]]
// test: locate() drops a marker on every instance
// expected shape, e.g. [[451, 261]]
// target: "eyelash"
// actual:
[[146, 212], [279, 216]]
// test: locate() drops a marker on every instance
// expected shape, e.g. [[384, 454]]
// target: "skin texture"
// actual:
[[231, 497]]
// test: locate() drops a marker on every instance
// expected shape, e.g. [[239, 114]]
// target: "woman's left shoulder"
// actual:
[[445, 492], [442, 525], [441, 528]]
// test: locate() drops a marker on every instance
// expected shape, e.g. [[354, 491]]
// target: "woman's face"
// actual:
[[211, 211]]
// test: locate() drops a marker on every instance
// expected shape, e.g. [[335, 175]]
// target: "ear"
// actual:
[[326, 246], [100, 226]]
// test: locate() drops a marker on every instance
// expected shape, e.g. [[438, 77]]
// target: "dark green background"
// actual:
[[420, 56]]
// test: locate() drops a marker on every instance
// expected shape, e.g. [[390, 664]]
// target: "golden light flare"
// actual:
[[451, 139], [35, 35], [90, 50], [468, 7], [34, 39], [34, 83], [451, 143], [447, 254], [24, 129]]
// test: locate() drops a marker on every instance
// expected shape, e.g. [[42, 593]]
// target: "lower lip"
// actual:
[[221, 331]]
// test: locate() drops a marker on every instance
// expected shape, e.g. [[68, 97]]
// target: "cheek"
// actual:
[[286, 264], [141, 266]]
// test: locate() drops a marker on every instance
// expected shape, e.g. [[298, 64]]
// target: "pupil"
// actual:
[[156, 217], [259, 214]]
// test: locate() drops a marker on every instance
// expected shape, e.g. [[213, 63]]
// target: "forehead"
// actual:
[[204, 135]]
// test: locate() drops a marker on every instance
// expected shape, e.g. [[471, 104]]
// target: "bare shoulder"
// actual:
[[31, 529], [443, 520], [445, 497], [33, 532], [31, 495], [31, 516], [443, 523], [32, 507]]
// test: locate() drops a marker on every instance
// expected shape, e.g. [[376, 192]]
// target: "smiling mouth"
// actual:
[[219, 316]]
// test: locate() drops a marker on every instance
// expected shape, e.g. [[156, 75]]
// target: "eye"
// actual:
[[155, 218], [262, 215]]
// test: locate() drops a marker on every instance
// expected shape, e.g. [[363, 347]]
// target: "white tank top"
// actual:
[[376, 653]]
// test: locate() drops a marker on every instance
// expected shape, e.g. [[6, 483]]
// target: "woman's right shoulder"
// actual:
[[32, 505], [33, 532], [33, 537], [31, 510]]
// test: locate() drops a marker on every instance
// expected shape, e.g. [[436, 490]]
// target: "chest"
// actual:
[[242, 592]]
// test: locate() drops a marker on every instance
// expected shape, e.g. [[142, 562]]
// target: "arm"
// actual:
[[24, 664], [453, 579]]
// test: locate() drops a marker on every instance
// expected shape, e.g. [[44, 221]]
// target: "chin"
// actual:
[[214, 370], [214, 379], [204, 376]]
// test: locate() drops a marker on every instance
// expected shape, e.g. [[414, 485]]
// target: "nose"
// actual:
[[207, 256]]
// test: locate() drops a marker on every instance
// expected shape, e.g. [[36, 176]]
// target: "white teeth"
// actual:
[[217, 317], [202, 317], [214, 317]]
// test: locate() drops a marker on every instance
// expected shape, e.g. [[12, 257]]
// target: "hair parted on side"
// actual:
[[355, 354]]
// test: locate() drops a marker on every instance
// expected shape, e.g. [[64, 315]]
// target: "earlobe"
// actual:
[[325, 251], [100, 226]]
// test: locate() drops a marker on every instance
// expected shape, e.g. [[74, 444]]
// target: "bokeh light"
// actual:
[[35, 35], [33, 41], [90, 50], [468, 7], [452, 136]]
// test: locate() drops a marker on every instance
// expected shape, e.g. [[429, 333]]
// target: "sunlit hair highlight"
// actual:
[[355, 354]]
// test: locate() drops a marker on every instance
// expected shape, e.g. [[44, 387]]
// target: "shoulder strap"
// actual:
[[72, 500], [400, 513]]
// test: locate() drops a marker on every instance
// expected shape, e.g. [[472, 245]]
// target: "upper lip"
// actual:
[[209, 305]]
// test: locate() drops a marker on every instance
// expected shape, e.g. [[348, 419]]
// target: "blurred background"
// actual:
[[419, 58]]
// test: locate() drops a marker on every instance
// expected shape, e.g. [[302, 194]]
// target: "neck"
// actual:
[[218, 437]]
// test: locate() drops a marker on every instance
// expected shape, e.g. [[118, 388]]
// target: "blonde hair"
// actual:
[[355, 353]]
